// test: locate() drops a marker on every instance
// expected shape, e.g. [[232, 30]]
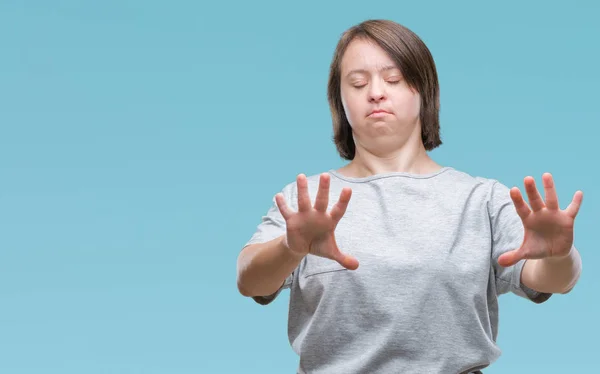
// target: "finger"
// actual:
[[322, 199], [285, 210], [550, 192], [303, 197], [573, 208], [338, 210], [520, 205], [535, 199], [348, 261], [510, 258]]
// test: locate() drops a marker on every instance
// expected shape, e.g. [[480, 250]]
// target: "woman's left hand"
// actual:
[[548, 229]]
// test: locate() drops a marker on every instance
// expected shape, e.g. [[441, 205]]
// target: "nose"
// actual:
[[376, 92]]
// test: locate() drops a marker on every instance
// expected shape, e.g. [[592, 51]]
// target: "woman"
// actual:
[[403, 277]]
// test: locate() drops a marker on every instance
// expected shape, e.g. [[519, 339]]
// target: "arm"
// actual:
[[263, 268], [552, 263], [552, 275]]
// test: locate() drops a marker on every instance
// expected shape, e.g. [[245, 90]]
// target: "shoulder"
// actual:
[[491, 189], [468, 180], [465, 177]]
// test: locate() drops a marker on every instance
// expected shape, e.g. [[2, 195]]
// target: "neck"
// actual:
[[411, 158]]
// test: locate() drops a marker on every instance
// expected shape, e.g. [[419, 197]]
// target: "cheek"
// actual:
[[350, 105], [417, 100], [408, 103], [416, 104]]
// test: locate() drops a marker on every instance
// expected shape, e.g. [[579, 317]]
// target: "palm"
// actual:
[[548, 229], [548, 233], [311, 229]]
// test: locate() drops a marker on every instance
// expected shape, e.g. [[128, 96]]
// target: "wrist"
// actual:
[[560, 259], [288, 250]]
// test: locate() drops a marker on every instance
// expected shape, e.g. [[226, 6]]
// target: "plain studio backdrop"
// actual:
[[141, 142]]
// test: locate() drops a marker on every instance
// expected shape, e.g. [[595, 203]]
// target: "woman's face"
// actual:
[[382, 109]]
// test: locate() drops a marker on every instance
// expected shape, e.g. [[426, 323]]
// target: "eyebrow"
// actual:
[[363, 71]]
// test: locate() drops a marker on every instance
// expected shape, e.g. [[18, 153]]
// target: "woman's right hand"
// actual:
[[311, 229]]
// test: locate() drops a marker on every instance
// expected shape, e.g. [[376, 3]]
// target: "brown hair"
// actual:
[[412, 57]]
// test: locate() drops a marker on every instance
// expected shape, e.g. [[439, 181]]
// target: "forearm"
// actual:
[[262, 268], [552, 275]]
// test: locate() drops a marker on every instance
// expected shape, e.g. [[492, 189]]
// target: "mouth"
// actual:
[[379, 113]]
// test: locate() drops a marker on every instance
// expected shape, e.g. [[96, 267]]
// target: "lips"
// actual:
[[378, 113]]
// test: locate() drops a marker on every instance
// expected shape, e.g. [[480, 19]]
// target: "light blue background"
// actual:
[[140, 143]]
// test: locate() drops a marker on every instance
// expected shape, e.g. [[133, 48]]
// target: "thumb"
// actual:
[[347, 261], [510, 258]]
